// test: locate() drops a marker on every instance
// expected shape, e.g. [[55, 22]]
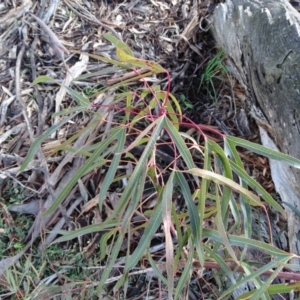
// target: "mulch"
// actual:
[[174, 33]]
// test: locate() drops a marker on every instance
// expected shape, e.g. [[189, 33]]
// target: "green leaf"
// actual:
[[66, 146], [111, 172], [116, 134], [202, 201], [144, 242], [104, 242], [156, 269], [180, 144], [256, 187], [181, 243], [243, 242], [221, 228], [192, 208], [107, 60], [167, 192], [67, 111], [235, 213], [256, 280], [136, 62], [263, 288], [178, 107], [78, 97], [118, 44], [67, 236], [42, 79], [293, 208], [172, 115], [138, 191], [250, 277], [230, 150], [185, 276], [123, 201], [37, 143], [256, 148], [221, 263], [111, 263], [282, 288], [213, 146], [254, 200]]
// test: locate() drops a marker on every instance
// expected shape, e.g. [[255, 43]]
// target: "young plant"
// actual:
[[202, 216], [213, 70]]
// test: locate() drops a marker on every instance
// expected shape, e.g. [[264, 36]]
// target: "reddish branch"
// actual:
[[283, 275]]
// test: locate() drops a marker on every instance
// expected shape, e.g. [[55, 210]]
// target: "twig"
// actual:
[[58, 226], [18, 92], [126, 76], [41, 120], [283, 275], [30, 130], [90, 18], [58, 48]]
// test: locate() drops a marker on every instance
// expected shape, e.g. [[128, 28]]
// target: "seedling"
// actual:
[[213, 70]]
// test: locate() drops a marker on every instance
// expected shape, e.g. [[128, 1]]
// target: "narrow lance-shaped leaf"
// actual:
[[156, 270], [70, 110], [118, 44], [112, 261], [256, 280], [138, 169], [243, 242], [115, 134], [106, 59], [227, 173], [248, 278], [181, 243], [67, 236], [138, 191], [178, 107], [202, 199], [42, 79], [181, 146], [254, 200], [150, 230], [167, 192], [221, 263], [221, 228], [136, 62], [185, 276], [255, 274], [78, 97], [231, 151], [37, 143], [263, 288], [235, 213], [195, 220], [293, 208], [66, 146], [262, 150], [257, 187], [282, 288], [110, 174]]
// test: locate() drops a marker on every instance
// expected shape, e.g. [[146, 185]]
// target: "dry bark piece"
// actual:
[[58, 48]]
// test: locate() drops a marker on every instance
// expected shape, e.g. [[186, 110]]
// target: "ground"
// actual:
[[55, 125]]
